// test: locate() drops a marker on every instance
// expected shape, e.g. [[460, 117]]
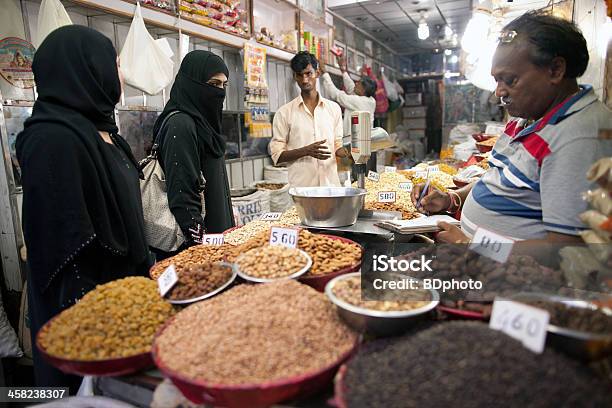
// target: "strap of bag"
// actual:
[[156, 142]]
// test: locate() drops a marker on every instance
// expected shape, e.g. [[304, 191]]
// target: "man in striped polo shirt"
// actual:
[[538, 166]]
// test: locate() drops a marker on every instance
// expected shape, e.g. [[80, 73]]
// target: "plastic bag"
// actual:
[[390, 88], [599, 246], [51, 16], [146, 64], [579, 267], [601, 173], [600, 200], [597, 222]]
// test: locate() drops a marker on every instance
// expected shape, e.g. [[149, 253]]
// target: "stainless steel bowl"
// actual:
[[328, 206], [375, 322], [578, 344]]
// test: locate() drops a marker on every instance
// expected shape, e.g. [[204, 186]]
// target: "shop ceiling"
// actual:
[[395, 22]]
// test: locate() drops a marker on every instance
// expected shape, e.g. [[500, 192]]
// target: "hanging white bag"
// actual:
[[51, 16], [146, 64]]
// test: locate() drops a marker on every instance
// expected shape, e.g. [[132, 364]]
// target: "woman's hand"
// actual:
[[451, 234], [435, 201]]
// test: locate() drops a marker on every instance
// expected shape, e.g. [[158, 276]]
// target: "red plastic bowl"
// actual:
[[463, 314], [482, 148], [319, 282], [99, 368], [250, 395]]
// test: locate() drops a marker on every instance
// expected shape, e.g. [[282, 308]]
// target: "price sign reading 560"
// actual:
[[287, 237], [524, 323], [386, 196]]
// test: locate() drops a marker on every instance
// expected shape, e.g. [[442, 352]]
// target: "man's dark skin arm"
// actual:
[[318, 150]]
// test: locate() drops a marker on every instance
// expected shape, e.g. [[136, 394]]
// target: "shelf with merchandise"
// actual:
[[275, 24], [227, 15]]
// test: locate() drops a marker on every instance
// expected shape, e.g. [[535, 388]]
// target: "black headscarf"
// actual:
[[78, 87], [203, 102]]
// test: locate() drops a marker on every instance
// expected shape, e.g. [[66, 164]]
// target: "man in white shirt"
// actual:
[[307, 129], [356, 96]]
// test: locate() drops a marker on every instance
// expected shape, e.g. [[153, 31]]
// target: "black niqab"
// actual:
[[78, 86], [203, 102]]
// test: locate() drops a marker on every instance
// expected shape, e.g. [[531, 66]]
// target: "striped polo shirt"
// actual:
[[538, 173]]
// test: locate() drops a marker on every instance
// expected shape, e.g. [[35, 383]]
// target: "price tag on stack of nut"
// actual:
[[287, 237], [212, 239], [386, 196], [167, 280], [374, 176], [271, 216]]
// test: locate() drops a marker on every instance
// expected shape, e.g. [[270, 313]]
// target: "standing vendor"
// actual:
[[538, 166], [307, 130], [356, 97]]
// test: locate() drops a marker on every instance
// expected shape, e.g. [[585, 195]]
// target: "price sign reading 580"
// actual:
[[386, 196], [287, 237]]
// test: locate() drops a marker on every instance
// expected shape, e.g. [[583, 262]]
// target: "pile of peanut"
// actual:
[[255, 334], [117, 319], [349, 290], [198, 280], [250, 231], [271, 262], [328, 255], [390, 182], [195, 255]]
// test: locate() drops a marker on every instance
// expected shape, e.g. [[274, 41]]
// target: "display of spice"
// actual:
[[195, 255], [485, 368], [271, 262], [576, 318], [349, 290], [117, 319], [456, 263], [270, 186], [198, 280], [255, 334], [448, 169], [328, 255], [406, 215]]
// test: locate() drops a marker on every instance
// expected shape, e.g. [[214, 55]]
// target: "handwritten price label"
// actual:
[[374, 176], [521, 322], [405, 186], [390, 169], [213, 239], [421, 175], [167, 280], [386, 196], [287, 237], [433, 169], [491, 245], [271, 216]]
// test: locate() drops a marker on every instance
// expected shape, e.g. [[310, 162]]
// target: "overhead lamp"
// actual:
[[448, 52], [455, 40], [476, 31], [454, 59], [448, 31], [423, 30]]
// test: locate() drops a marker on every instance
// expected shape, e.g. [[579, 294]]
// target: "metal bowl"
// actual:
[[211, 293], [328, 206], [376, 322], [578, 344], [294, 275]]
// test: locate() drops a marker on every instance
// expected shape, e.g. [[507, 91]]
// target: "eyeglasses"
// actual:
[[507, 37]]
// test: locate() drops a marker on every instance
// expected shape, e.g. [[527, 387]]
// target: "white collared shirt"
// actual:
[[294, 127]]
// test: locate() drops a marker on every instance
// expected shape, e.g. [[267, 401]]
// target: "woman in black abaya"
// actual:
[[192, 148], [82, 212]]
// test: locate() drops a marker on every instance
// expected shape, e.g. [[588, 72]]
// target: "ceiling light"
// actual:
[[448, 52], [448, 31], [454, 59], [476, 31], [455, 40], [423, 30]]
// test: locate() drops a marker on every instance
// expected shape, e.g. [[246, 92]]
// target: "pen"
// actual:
[[418, 204]]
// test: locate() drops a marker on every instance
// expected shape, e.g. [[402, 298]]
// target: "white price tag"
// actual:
[[167, 280], [390, 169], [491, 245], [386, 196], [433, 169], [213, 239], [287, 237], [527, 324], [374, 176], [272, 216], [405, 186], [422, 175]]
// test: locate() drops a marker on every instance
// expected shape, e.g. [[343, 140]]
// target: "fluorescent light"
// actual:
[[448, 52], [454, 59], [423, 31]]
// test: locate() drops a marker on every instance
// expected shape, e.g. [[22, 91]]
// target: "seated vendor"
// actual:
[[538, 166]]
